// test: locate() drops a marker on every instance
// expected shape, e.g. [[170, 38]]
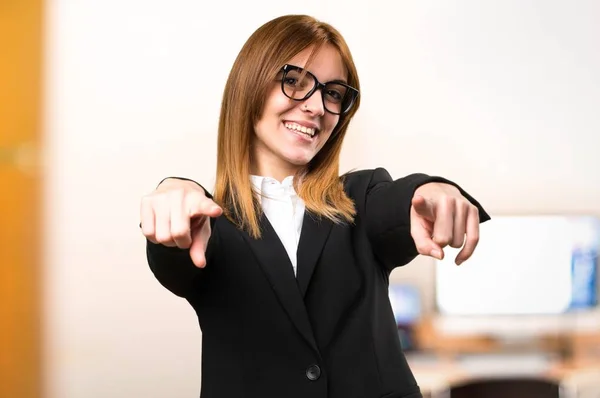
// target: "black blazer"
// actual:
[[327, 333]]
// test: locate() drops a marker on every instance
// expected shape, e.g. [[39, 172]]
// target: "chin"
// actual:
[[299, 162], [296, 158]]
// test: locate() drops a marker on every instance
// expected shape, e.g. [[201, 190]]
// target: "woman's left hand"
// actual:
[[440, 216]]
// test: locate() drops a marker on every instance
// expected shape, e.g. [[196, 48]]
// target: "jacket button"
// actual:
[[313, 372]]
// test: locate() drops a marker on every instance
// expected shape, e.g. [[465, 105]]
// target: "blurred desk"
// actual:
[[437, 377], [570, 359]]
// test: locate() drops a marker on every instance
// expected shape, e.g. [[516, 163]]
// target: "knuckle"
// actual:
[[448, 200], [163, 238], [179, 232], [442, 204], [465, 206], [457, 243], [473, 240], [147, 231], [442, 239], [474, 211]]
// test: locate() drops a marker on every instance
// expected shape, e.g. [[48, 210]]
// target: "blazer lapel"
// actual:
[[276, 264], [315, 231]]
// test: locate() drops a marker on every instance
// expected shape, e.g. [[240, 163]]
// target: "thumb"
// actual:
[[205, 207], [423, 207], [213, 209]]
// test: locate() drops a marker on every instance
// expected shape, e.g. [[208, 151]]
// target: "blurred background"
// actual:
[[99, 100]]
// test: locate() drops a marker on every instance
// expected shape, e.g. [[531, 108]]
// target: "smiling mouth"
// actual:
[[308, 131]]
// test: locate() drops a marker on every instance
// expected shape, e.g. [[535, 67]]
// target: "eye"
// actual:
[[334, 95], [290, 81]]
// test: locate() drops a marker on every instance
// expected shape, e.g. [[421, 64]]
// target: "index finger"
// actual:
[[200, 243], [421, 234], [472, 236]]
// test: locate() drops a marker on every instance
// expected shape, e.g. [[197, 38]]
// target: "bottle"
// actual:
[[584, 263]]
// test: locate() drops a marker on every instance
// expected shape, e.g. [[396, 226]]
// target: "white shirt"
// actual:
[[284, 210]]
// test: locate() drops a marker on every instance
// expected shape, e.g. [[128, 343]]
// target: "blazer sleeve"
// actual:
[[387, 209], [173, 267]]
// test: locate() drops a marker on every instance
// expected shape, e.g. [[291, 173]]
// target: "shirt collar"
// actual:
[[265, 184]]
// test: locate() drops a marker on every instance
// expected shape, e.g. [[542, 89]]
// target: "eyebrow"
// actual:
[[338, 81]]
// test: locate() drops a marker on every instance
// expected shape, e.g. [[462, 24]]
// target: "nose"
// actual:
[[314, 104]]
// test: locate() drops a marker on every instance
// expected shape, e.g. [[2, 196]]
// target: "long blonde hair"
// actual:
[[246, 90]]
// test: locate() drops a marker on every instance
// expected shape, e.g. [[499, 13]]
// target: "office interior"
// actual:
[[520, 319], [101, 100]]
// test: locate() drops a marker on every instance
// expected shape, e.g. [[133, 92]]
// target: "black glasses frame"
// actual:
[[351, 91]]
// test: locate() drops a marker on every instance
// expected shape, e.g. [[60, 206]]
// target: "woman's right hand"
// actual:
[[177, 214]]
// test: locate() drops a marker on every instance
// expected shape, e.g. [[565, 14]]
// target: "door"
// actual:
[[20, 108]]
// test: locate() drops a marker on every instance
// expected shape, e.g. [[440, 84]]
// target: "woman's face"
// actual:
[[290, 133]]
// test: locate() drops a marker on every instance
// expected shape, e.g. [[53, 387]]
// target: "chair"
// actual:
[[513, 387]]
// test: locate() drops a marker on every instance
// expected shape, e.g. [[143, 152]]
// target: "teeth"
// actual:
[[302, 129]]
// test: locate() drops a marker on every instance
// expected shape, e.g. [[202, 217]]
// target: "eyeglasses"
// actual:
[[298, 85]]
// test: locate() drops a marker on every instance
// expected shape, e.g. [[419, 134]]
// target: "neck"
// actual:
[[276, 171]]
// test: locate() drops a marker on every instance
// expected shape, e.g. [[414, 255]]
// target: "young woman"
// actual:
[[287, 265]]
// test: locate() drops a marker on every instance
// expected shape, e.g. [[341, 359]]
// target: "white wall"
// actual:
[[500, 97]]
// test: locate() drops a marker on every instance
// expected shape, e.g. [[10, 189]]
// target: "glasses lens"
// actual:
[[297, 84], [337, 98]]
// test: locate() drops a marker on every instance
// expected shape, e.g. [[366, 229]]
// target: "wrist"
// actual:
[[430, 187]]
